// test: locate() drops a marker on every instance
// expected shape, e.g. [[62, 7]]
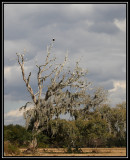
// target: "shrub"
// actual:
[[69, 149], [17, 134], [10, 148]]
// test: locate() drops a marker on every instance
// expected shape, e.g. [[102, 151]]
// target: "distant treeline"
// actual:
[[103, 127]]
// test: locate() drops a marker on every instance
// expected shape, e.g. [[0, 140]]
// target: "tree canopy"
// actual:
[[100, 129]]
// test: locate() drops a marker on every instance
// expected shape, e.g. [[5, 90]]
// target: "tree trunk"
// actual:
[[33, 144]]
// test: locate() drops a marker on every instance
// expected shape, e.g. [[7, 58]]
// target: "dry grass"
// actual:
[[54, 152]]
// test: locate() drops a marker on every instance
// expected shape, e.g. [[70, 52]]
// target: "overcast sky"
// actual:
[[94, 33]]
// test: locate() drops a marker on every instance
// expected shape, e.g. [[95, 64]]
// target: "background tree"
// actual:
[[17, 135], [118, 124], [67, 92], [93, 130], [116, 120]]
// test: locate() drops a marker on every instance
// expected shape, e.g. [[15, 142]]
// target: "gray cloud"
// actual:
[[103, 27], [108, 12], [87, 31]]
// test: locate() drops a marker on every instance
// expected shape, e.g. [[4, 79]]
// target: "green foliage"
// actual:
[[93, 131], [43, 140], [116, 141], [17, 134], [64, 132]]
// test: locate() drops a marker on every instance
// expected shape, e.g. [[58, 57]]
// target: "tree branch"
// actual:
[[24, 78]]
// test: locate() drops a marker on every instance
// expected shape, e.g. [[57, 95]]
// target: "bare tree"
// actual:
[[66, 92]]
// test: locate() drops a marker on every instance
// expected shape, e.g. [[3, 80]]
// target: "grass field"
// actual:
[[52, 152]]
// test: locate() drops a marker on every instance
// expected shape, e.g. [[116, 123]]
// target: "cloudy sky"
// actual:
[[94, 33]]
